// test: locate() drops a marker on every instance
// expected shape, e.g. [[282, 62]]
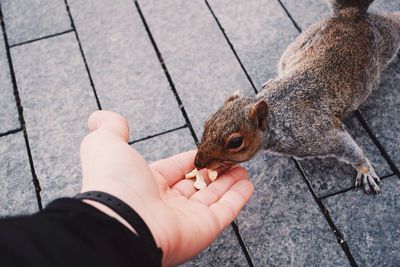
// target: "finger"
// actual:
[[185, 187], [174, 168], [111, 121], [216, 189], [228, 206]]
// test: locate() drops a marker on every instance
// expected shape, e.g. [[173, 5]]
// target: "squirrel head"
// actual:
[[233, 134]]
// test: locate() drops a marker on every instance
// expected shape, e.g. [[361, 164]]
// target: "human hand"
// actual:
[[183, 221]]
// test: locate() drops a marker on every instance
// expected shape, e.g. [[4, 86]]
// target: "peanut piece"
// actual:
[[199, 183], [212, 174], [191, 174]]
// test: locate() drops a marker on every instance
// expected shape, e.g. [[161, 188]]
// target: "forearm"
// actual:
[[69, 232]]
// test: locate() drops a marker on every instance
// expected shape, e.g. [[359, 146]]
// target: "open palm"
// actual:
[[183, 221]]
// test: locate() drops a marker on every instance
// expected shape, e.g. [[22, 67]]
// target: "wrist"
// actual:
[[139, 219], [103, 208]]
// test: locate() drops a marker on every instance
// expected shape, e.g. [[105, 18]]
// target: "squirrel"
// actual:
[[323, 76]]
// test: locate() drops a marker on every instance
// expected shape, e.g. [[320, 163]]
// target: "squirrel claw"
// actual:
[[369, 179]]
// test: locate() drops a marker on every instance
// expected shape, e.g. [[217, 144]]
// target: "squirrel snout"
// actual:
[[200, 161]]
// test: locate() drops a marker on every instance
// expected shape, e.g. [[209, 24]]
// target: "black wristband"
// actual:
[[133, 219]]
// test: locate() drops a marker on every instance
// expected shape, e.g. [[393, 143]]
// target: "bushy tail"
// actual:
[[339, 5]]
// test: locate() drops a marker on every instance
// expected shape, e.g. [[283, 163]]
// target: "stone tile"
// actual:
[[370, 223], [17, 194], [382, 111], [38, 18], [225, 251], [199, 59], [8, 110], [260, 32], [307, 12], [329, 175], [57, 99], [282, 224], [124, 66], [165, 145], [382, 6]]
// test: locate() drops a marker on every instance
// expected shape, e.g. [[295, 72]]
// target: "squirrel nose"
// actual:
[[199, 160]]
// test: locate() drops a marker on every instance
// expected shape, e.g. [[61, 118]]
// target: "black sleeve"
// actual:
[[70, 232]]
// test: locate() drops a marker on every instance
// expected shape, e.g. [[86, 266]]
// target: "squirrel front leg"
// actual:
[[346, 149]]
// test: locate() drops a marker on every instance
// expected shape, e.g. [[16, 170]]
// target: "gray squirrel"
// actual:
[[323, 76]]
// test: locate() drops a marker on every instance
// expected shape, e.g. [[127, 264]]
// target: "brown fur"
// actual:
[[323, 76]]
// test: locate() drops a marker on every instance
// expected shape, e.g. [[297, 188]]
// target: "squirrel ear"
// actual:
[[232, 97], [259, 112]]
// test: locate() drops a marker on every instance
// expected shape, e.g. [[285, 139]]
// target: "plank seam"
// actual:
[[377, 143], [41, 38], [339, 236], [157, 134], [20, 112], [231, 46], [166, 72], [82, 54], [350, 188], [290, 16], [13, 131]]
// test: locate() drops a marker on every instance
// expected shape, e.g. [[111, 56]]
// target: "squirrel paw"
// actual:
[[368, 177]]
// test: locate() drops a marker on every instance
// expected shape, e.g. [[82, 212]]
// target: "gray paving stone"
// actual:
[[165, 145], [225, 251], [282, 224], [382, 6], [57, 99], [382, 111], [370, 223], [260, 32], [34, 19], [8, 110], [198, 57], [329, 175], [124, 66], [307, 12], [17, 194]]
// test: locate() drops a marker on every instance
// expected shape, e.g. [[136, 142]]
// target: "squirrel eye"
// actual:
[[235, 142]]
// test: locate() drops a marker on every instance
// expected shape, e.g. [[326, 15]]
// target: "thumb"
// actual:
[[111, 121], [106, 147]]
